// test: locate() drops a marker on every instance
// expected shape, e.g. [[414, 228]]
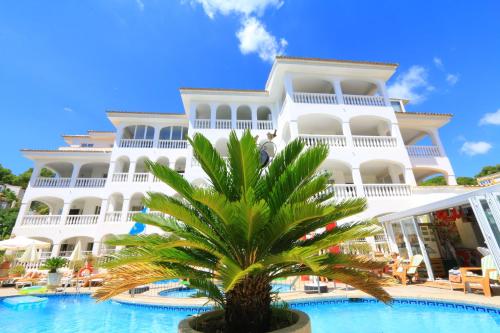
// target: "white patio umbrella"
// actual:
[[77, 254], [22, 243], [30, 255]]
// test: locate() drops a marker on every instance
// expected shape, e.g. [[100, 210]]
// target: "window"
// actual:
[[396, 105], [138, 132], [173, 133]]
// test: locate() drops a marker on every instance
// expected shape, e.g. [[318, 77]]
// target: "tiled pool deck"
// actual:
[[412, 292]]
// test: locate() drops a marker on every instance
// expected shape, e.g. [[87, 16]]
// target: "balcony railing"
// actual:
[[223, 123], [131, 213], [423, 151], [202, 123], [243, 124], [52, 182], [113, 217], [120, 177], [366, 141], [386, 190], [90, 182], [264, 124], [41, 219], [172, 144], [364, 100], [314, 98], [141, 177], [81, 219], [330, 140], [341, 190], [136, 143]]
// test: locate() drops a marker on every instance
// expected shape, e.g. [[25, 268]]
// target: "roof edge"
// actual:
[[354, 62]]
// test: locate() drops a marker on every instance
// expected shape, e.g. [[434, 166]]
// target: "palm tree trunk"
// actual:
[[248, 306]]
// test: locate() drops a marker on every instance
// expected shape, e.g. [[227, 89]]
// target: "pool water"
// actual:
[[80, 314], [182, 292]]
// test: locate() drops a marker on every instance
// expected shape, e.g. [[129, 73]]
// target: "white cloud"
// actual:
[[412, 85], [254, 38], [475, 148], [140, 4], [438, 62], [452, 79], [490, 118], [243, 7], [68, 109]]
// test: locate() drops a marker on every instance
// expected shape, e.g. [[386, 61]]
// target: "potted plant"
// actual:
[[5, 261], [232, 238], [54, 277], [17, 270]]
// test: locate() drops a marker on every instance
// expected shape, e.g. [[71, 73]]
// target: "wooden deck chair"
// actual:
[[488, 273], [405, 273]]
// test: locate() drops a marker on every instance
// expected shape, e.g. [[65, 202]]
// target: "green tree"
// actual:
[[8, 196], [7, 220], [434, 181], [6, 175], [232, 238], [24, 178], [488, 170], [466, 181]]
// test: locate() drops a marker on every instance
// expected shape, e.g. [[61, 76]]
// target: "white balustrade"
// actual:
[[341, 190], [423, 151], [387, 190], [314, 98], [202, 123], [41, 219], [136, 143], [120, 177], [223, 123], [131, 213], [52, 182], [90, 182], [113, 217], [172, 144], [141, 177], [364, 100], [330, 140], [264, 124], [243, 124], [81, 219], [368, 141]]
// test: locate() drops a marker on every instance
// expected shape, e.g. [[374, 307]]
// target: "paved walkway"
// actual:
[[412, 291]]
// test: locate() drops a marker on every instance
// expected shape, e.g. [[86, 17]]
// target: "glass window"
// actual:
[[491, 219], [400, 240], [139, 132], [396, 105], [176, 133], [165, 133], [128, 132], [150, 133]]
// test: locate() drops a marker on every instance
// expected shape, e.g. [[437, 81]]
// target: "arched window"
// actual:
[[174, 133], [138, 132]]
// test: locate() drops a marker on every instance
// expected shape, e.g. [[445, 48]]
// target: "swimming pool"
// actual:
[[81, 314], [184, 292]]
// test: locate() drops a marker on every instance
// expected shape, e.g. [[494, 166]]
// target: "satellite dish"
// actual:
[[264, 157]]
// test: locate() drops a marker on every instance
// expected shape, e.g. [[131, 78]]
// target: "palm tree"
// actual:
[[232, 238]]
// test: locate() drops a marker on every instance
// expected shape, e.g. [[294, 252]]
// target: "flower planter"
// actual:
[[54, 280], [303, 324]]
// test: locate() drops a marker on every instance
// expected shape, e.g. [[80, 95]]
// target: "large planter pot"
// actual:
[[303, 324], [54, 280]]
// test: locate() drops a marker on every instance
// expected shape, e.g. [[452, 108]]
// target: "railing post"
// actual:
[[213, 113], [156, 136], [131, 171], [233, 115]]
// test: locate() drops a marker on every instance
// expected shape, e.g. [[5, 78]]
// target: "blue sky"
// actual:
[[63, 63]]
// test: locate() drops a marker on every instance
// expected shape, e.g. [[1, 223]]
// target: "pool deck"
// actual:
[[412, 291]]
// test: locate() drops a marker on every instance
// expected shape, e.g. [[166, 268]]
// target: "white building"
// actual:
[[101, 178]]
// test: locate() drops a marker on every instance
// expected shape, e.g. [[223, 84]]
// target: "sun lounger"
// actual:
[[405, 273]]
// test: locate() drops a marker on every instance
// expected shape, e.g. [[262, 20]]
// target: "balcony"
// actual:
[[329, 140], [38, 220], [141, 177], [342, 191], [81, 219], [90, 182], [364, 100], [52, 182], [243, 124], [386, 190], [368, 141], [314, 98], [113, 217], [149, 143], [172, 144], [120, 177], [423, 151]]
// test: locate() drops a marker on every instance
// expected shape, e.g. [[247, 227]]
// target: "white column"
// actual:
[[102, 213], [383, 91], [125, 208], [65, 212], [36, 172], [391, 239], [288, 88], [436, 140], [410, 177], [192, 114], [294, 129], [213, 113], [394, 173], [74, 174], [119, 134], [254, 116], [338, 91], [131, 171], [396, 133], [156, 136], [55, 250], [234, 115], [358, 182], [421, 243], [346, 131]]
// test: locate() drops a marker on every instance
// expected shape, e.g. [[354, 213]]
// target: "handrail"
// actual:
[[387, 190], [364, 100], [90, 182], [330, 140], [173, 144], [52, 182], [136, 143], [314, 98], [423, 151], [371, 141], [41, 219], [81, 219]]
